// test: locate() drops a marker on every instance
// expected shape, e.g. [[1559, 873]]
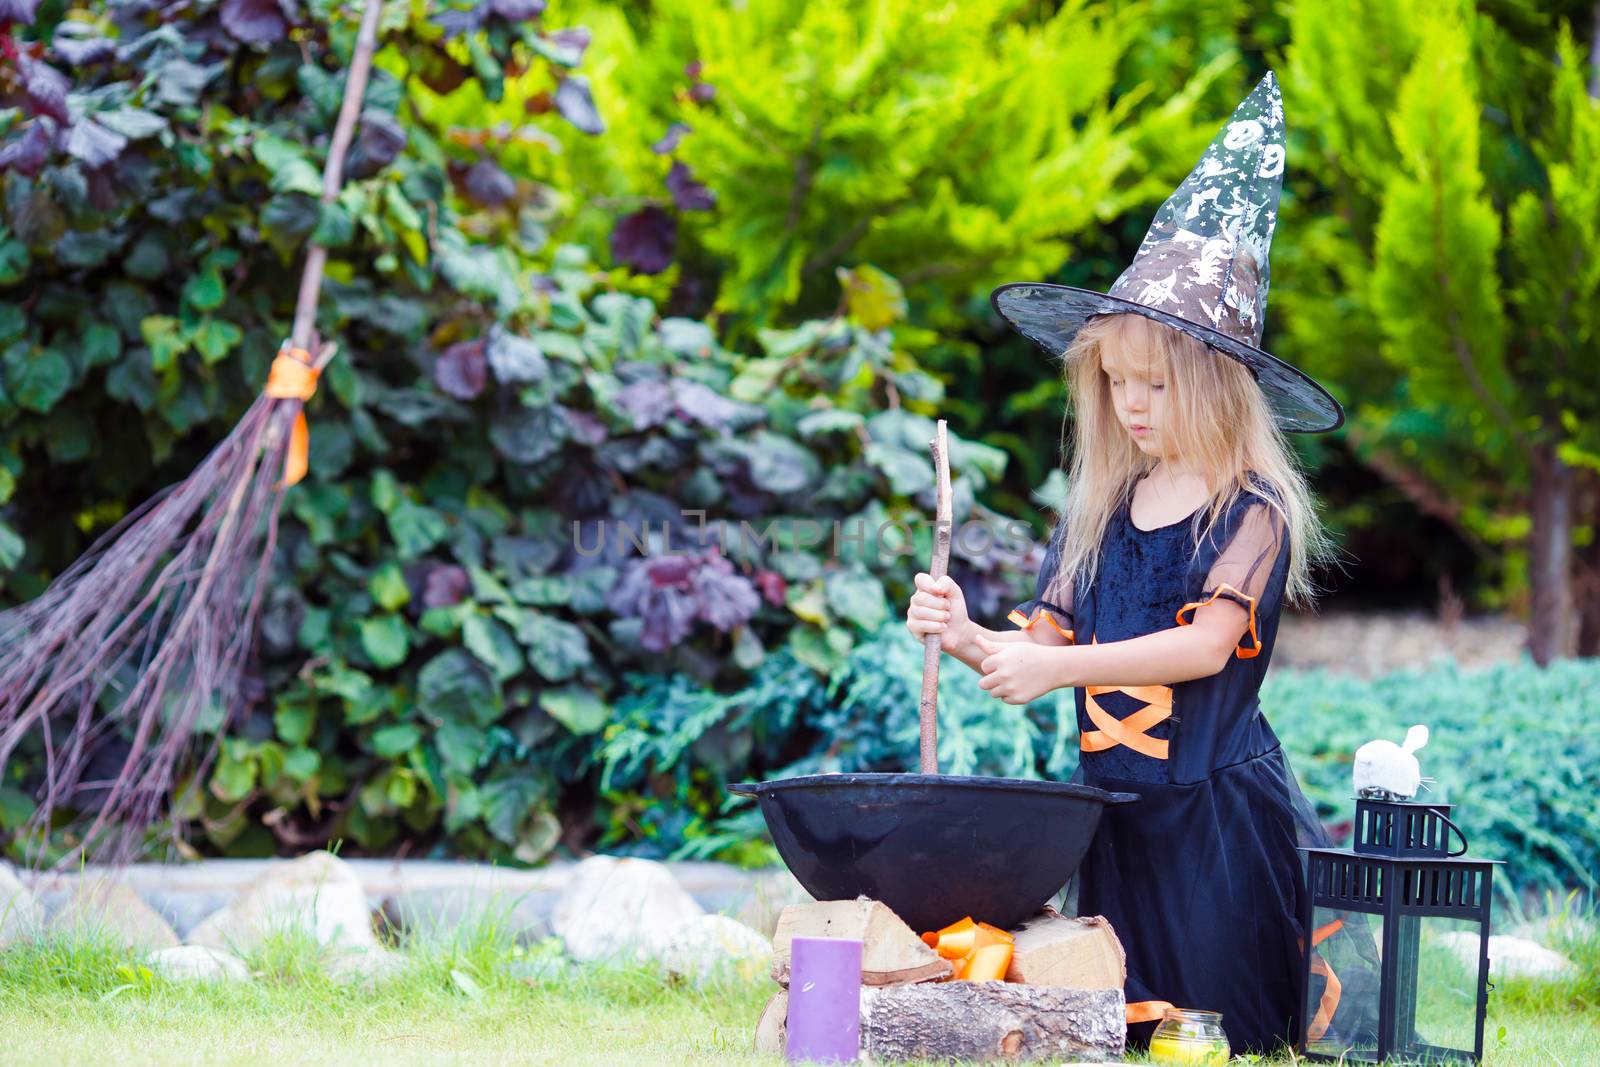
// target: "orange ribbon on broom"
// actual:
[[294, 377], [982, 953]]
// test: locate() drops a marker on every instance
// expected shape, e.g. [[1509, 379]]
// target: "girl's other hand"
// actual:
[[1019, 672], [937, 607]]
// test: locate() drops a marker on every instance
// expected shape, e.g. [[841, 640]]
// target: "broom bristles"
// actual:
[[154, 624], [134, 642]]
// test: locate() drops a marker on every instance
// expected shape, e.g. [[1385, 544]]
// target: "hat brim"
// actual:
[[1051, 316]]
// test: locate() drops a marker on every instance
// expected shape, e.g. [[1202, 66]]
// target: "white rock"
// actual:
[[1510, 957], [316, 893], [20, 915], [621, 909], [196, 962], [116, 911], [1551, 930], [715, 945], [367, 967]]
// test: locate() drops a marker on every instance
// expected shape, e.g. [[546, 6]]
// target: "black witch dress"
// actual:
[[1200, 878]]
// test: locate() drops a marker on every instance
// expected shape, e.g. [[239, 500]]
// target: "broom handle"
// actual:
[[929, 709], [355, 88]]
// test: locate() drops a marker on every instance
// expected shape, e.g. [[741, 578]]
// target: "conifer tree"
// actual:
[[1448, 273]]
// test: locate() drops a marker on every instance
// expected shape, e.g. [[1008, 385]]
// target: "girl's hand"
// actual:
[[938, 607], [1019, 672]]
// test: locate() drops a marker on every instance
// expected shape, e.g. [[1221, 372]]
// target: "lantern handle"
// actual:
[[1462, 851]]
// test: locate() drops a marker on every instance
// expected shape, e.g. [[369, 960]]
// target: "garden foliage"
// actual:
[[595, 270], [954, 147], [751, 150], [461, 582], [1509, 744], [1446, 273]]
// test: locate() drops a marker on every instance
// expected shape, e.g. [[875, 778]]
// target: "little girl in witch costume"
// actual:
[[1187, 527]]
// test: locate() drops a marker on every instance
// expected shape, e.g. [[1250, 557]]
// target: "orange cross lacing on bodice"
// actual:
[[1132, 731]]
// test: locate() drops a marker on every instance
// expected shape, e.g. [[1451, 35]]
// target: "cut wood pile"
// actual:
[[940, 996]]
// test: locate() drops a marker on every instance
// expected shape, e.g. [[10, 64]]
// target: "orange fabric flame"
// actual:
[[982, 953], [1147, 1011]]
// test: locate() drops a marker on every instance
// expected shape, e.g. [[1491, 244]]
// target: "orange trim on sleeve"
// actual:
[[1243, 651], [1025, 623]]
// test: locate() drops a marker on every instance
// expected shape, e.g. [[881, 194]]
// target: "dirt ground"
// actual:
[[1375, 643]]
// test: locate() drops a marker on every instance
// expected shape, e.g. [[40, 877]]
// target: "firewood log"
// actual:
[[773, 1026], [986, 1021], [1056, 950], [891, 953]]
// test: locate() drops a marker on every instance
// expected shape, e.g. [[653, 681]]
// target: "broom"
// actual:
[[113, 666], [928, 706]]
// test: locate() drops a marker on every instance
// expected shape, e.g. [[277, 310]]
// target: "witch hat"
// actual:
[[1202, 267]]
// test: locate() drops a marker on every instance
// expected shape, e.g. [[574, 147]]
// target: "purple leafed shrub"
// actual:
[[645, 240], [670, 593], [687, 193]]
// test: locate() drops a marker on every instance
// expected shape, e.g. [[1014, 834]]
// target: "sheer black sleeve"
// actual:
[[1246, 571], [1051, 604]]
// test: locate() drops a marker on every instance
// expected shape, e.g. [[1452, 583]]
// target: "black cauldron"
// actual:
[[933, 847]]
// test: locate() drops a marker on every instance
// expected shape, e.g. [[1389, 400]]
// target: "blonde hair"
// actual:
[[1217, 421]]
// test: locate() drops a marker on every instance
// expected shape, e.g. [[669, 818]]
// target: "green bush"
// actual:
[[752, 150], [439, 655], [1512, 745], [956, 147]]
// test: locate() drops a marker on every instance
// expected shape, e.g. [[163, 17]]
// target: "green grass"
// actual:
[[66, 1001], [83, 1000]]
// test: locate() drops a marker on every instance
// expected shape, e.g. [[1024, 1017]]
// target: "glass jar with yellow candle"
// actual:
[[1190, 1037]]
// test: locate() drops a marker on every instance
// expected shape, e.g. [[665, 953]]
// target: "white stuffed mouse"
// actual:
[[1389, 771]]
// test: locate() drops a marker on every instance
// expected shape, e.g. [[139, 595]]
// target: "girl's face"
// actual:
[[1138, 390]]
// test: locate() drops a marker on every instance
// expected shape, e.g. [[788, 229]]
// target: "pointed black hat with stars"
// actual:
[[1202, 267]]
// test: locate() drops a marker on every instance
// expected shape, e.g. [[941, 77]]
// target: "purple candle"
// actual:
[[824, 1000]]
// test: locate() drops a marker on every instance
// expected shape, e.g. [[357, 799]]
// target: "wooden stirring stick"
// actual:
[[930, 644]]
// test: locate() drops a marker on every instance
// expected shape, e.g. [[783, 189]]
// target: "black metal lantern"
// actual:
[[1424, 903]]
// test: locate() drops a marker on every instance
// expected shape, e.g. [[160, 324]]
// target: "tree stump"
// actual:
[[973, 1020], [992, 1021]]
